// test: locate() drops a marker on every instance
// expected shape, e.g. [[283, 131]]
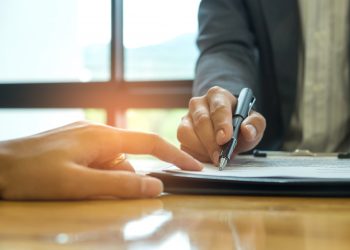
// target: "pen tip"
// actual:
[[222, 164]]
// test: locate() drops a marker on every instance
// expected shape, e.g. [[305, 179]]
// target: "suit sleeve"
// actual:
[[228, 53]]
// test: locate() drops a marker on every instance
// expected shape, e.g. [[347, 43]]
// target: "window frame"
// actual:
[[114, 96]]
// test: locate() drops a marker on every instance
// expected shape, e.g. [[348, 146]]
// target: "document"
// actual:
[[273, 175], [277, 166]]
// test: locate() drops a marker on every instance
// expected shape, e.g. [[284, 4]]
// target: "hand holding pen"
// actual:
[[208, 126], [245, 104]]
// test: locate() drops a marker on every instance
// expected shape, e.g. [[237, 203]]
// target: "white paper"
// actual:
[[297, 166]]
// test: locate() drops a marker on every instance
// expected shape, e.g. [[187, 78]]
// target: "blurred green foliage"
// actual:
[[161, 121], [95, 115]]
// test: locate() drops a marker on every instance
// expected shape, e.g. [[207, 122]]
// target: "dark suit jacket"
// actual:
[[252, 43]]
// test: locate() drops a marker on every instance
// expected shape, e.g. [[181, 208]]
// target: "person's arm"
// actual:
[[228, 62], [82, 161], [228, 52]]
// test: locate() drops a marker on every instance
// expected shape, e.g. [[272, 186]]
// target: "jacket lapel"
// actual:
[[283, 25]]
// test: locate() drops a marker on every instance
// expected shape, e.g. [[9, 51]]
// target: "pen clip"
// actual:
[[251, 104]]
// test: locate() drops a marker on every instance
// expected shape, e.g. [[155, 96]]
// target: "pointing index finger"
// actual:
[[152, 144]]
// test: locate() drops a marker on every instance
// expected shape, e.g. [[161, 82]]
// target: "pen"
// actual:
[[245, 103]]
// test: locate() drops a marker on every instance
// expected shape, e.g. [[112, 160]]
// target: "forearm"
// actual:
[[228, 50], [227, 67]]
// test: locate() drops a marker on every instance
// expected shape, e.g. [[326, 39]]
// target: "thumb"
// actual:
[[251, 132], [88, 183]]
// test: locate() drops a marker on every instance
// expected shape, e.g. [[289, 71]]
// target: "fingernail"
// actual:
[[252, 131], [216, 155], [151, 187], [220, 136]]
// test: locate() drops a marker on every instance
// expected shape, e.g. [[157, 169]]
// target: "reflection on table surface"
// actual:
[[178, 222]]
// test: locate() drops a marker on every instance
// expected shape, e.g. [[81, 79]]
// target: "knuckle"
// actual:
[[156, 141], [139, 190], [84, 133], [87, 126], [219, 108], [131, 185], [92, 128], [222, 93], [214, 90], [200, 118], [155, 138], [194, 102], [81, 123]]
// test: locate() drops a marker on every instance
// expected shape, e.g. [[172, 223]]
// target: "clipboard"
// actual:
[[211, 184]]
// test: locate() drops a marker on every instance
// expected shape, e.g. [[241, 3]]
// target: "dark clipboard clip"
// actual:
[[299, 152]]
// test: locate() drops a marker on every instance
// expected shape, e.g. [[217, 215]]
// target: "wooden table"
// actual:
[[178, 222]]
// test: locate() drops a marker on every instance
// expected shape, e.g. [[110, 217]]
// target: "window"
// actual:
[[159, 39], [16, 123], [55, 41], [124, 61]]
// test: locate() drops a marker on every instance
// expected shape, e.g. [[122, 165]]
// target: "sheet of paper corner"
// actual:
[[296, 167]]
